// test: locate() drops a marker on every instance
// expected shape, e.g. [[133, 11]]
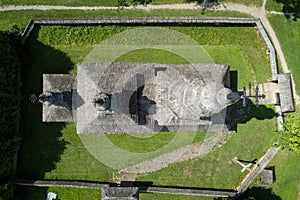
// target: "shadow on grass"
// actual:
[[234, 80], [42, 142], [259, 193], [33, 193], [237, 114]]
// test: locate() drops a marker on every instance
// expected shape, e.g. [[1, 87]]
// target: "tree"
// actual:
[[122, 3], [290, 8], [204, 2], [290, 136], [9, 110], [141, 2]]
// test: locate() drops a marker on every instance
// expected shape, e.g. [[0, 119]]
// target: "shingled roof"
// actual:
[[60, 85], [286, 93], [185, 97]]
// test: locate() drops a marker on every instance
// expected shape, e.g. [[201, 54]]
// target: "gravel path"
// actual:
[[179, 155]]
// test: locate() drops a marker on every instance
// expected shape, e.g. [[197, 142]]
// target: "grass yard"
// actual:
[[257, 3], [272, 5], [55, 151], [208, 172], [288, 33], [241, 47], [148, 143], [49, 146], [287, 174], [38, 193]]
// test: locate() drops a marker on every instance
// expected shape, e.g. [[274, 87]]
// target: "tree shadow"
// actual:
[[33, 193], [204, 3], [42, 144], [290, 8]]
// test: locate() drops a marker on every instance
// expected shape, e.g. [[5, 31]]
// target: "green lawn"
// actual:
[[257, 3], [148, 142], [287, 174], [208, 172], [54, 151], [287, 32], [241, 47], [272, 5], [38, 193], [51, 150]]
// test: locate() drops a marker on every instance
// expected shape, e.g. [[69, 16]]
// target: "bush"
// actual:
[[290, 136]]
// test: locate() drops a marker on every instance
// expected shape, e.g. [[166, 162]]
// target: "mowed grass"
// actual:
[[257, 3], [148, 142], [150, 55], [287, 174], [240, 47], [249, 143], [49, 146], [288, 33], [38, 193], [273, 5], [54, 150]]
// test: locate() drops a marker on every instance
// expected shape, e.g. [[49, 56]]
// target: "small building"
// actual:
[[286, 92], [267, 176]]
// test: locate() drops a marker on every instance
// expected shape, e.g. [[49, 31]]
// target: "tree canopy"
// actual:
[[290, 8], [9, 111]]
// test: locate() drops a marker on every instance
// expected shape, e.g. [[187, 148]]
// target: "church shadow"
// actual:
[[42, 143], [237, 114]]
